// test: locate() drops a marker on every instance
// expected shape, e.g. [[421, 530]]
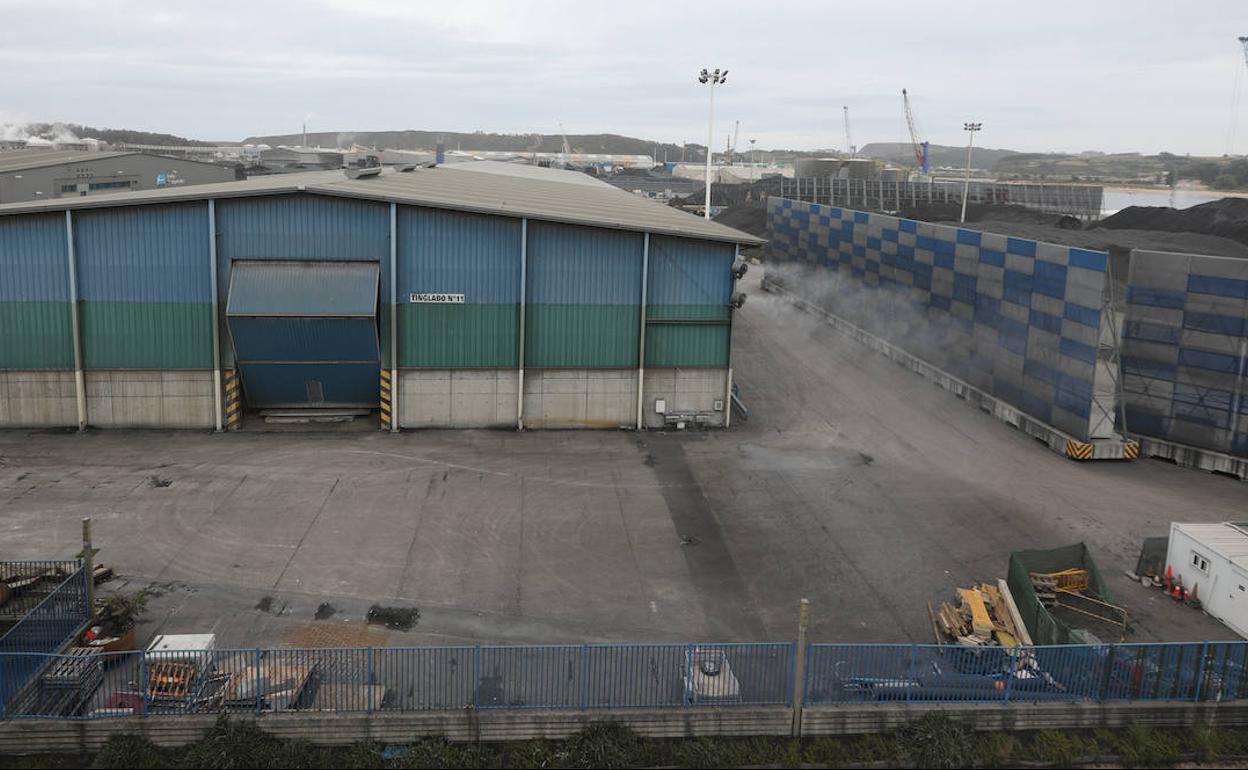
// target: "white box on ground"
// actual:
[[1212, 558], [183, 648]]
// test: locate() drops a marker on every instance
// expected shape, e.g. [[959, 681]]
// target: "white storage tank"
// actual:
[[1213, 560]]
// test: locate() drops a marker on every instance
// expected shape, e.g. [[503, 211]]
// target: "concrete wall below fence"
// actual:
[[115, 399], [554, 398], [40, 736], [37, 399]]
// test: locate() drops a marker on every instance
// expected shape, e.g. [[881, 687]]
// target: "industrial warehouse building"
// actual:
[[475, 295], [29, 175]]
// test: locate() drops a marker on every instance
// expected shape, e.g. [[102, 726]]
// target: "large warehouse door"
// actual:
[[305, 333]]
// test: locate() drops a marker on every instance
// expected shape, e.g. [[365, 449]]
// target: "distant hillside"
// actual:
[[938, 155], [612, 144], [73, 132]]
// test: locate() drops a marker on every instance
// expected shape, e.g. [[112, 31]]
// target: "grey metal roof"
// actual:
[[550, 197], [303, 289], [20, 160]]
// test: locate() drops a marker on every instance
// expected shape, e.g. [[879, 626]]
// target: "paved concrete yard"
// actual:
[[854, 483]]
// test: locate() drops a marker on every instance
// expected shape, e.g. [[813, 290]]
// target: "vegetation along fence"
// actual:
[[611, 676]]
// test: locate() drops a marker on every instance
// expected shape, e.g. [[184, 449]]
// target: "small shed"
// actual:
[[1212, 560]]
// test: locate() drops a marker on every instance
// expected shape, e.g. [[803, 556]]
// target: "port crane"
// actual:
[[919, 145]]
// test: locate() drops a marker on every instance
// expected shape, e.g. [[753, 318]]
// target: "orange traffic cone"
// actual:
[[1168, 583]]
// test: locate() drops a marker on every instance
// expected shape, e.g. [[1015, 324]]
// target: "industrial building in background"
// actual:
[[32, 175], [473, 295]]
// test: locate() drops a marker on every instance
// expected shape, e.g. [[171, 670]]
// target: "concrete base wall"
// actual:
[[447, 398], [39, 736], [555, 398], [147, 399], [37, 399], [687, 392], [115, 399]]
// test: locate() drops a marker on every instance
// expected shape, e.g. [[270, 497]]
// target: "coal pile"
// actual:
[[747, 217], [1226, 218]]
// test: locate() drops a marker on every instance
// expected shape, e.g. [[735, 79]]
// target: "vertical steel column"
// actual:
[[798, 691], [88, 566], [394, 318], [641, 332], [524, 281], [218, 415], [80, 385], [736, 255]]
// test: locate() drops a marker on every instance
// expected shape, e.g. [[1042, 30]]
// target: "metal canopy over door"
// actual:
[[305, 333]]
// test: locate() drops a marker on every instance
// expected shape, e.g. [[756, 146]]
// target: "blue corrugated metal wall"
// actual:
[[584, 296], [145, 283], [305, 227], [35, 326], [689, 286], [458, 253], [146, 291]]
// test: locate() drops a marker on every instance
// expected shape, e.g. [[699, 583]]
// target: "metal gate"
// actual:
[[305, 333]]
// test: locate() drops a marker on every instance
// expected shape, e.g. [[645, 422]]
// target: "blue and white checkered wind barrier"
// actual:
[[1018, 319], [1185, 350]]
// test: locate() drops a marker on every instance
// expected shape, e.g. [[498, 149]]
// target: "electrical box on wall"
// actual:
[[660, 406]]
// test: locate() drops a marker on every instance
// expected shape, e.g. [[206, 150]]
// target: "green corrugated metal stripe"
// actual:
[[687, 345], [688, 312], [458, 336], [581, 336], [147, 335], [36, 335]]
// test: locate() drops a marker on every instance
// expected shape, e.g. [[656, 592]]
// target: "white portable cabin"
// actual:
[[1213, 558]]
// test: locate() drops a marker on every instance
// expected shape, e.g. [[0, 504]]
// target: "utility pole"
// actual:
[[712, 79], [970, 128]]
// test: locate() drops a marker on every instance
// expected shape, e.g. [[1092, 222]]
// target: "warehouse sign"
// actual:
[[437, 298]]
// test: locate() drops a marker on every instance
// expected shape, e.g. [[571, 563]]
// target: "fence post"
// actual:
[[4, 659], [914, 654], [688, 676], [88, 566], [1009, 671], [368, 681], [1200, 673], [259, 701], [798, 691], [584, 676], [476, 676], [1109, 671], [143, 679]]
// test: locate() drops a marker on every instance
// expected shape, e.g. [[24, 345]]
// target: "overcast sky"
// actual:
[[1118, 75]]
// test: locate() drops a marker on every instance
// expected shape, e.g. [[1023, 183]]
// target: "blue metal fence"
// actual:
[[47, 604], [614, 676]]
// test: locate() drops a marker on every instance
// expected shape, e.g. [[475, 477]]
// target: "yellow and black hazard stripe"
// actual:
[[1130, 450], [1078, 450], [386, 400], [233, 399]]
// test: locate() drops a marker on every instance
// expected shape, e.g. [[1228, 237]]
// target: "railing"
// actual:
[[1082, 201], [1211, 671], [614, 676], [51, 602]]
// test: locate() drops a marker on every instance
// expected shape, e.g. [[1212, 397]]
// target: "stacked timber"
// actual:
[[982, 616]]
